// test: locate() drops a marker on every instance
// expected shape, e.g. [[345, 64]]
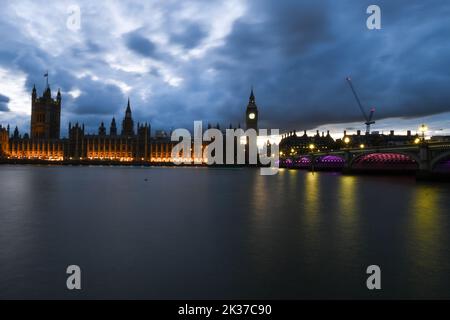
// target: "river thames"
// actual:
[[187, 233]]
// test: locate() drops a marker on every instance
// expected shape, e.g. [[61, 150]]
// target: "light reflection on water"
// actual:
[[312, 198], [348, 217], [220, 233], [428, 238]]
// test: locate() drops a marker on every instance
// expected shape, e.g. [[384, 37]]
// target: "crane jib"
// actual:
[[369, 117]]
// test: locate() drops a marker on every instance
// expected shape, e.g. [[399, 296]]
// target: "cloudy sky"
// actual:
[[181, 61]]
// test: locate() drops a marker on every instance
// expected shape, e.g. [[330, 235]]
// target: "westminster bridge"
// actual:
[[424, 158]]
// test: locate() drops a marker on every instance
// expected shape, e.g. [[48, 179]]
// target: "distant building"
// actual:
[[376, 139], [293, 144], [440, 139]]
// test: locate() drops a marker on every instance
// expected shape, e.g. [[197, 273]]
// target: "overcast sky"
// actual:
[[181, 61]]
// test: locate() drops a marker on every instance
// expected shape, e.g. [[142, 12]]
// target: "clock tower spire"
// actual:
[[251, 114]]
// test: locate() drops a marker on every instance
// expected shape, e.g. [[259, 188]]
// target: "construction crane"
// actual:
[[369, 117]]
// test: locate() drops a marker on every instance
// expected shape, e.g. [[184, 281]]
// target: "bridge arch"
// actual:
[[386, 160], [329, 162], [329, 159], [303, 161], [436, 161]]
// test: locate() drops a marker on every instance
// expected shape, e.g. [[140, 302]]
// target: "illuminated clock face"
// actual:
[[251, 116]]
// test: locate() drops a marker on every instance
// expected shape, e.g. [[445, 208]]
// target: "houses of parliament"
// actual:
[[132, 144]]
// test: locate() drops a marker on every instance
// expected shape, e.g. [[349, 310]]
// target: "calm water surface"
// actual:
[[220, 233]]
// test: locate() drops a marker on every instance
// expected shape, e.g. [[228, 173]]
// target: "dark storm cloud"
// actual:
[[136, 42], [88, 48], [271, 55], [88, 105], [4, 103], [106, 99], [299, 55], [190, 36]]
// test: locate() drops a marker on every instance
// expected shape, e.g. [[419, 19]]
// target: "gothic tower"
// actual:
[[102, 130], [4, 141], [251, 114], [45, 115], [113, 128], [128, 124]]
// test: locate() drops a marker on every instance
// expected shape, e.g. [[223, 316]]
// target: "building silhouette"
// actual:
[[45, 115], [44, 142], [134, 143]]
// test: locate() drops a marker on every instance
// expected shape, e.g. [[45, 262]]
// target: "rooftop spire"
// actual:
[[128, 105], [252, 96]]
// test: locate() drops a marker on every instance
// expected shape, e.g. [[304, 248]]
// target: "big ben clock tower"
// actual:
[[251, 114]]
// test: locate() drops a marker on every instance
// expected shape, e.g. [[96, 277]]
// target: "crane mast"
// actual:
[[367, 118]]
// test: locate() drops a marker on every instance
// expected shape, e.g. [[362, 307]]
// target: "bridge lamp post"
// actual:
[[346, 141], [362, 146], [417, 140], [312, 147], [423, 128]]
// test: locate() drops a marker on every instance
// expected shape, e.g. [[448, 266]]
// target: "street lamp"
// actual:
[[312, 147], [423, 128], [346, 141], [416, 141], [362, 146]]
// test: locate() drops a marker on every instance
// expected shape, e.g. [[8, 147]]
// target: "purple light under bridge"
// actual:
[[330, 159]]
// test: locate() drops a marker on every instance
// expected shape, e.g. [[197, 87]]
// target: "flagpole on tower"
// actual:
[[46, 76]]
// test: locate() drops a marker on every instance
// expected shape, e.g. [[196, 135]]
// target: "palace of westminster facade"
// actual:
[[44, 142]]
